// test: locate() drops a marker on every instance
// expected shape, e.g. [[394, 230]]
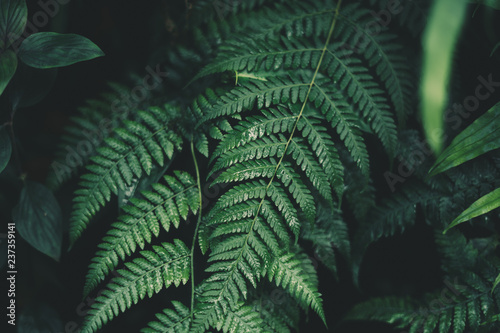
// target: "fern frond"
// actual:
[[460, 305], [392, 310], [348, 73], [329, 232], [412, 14], [241, 318], [457, 253], [305, 160], [242, 254], [256, 55], [140, 145], [165, 265], [272, 146], [171, 321], [89, 128], [272, 121], [356, 81], [382, 54], [300, 18], [324, 148], [277, 90], [288, 272], [395, 215], [143, 218], [278, 310], [277, 121], [341, 116], [359, 190], [255, 93], [268, 146], [243, 243]]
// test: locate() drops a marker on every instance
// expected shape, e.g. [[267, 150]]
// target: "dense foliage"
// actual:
[[269, 148]]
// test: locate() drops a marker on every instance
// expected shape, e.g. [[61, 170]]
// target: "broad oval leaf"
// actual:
[[13, 17], [38, 219], [8, 66], [5, 147], [479, 138], [50, 49], [482, 206]]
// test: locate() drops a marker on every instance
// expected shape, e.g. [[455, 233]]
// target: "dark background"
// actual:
[[403, 265]]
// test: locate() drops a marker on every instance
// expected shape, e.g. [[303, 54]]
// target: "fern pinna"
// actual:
[[282, 136]]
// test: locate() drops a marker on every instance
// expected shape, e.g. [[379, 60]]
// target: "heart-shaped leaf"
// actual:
[[5, 148], [8, 66], [13, 17], [38, 219], [50, 49]]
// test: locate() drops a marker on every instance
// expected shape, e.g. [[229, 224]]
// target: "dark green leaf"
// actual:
[[480, 137], [13, 17], [8, 65], [5, 148], [50, 49], [38, 219], [482, 206]]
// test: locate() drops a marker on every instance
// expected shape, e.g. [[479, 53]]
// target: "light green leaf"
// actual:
[[50, 49], [5, 148], [440, 37], [38, 219], [482, 206], [480, 137], [495, 284], [13, 17], [8, 66]]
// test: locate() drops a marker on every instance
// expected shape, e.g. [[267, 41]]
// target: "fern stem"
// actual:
[[198, 181]]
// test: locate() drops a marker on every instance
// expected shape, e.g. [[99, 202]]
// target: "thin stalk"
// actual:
[[198, 181]]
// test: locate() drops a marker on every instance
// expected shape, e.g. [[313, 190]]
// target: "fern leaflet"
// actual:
[[120, 161], [165, 265], [143, 218]]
